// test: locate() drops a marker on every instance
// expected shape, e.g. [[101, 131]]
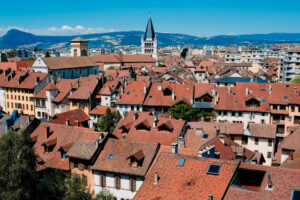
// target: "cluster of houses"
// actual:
[[245, 148]]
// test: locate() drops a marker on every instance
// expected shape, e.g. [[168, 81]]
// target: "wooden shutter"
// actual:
[[102, 180], [132, 184], [117, 182]]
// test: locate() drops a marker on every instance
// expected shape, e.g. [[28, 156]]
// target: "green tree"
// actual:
[[4, 57], [104, 195], [296, 80], [108, 121], [53, 186], [183, 111], [76, 189], [17, 167], [47, 55]]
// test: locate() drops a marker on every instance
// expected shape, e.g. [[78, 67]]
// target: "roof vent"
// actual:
[[156, 177]]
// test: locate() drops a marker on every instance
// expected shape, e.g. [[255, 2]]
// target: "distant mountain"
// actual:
[[15, 39]]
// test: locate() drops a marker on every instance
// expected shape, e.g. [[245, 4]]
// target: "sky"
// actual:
[[193, 17]]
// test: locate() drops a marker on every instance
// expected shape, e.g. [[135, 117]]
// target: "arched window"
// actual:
[[83, 52], [75, 52]]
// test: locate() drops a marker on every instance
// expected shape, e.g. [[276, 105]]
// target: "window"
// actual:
[[7, 105], [248, 179], [269, 154], [102, 180], [269, 143], [31, 107], [233, 114], [132, 184], [293, 109], [26, 98], [22, 98], [244, 139], [214, 169], [7, 96], [240, 114], [26, 106], [262, 121], [117, 182], [256, 141], [19, 98]]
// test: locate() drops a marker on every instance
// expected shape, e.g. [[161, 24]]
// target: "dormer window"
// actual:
[[136, 159], [167, 91], [144, 125], [252, 103], [165, 127]]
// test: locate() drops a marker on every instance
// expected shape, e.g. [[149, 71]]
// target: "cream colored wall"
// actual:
[[21, 93], [88, 174]]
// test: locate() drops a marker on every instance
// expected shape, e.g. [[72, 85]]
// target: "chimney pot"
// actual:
[[155, 178], [175, 148], [210, 197]]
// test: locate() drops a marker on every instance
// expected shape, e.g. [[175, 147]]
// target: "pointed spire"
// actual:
[[149, 33]]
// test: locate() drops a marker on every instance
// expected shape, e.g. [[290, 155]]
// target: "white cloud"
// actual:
[[79, 27], [63, 30], [66, 27]]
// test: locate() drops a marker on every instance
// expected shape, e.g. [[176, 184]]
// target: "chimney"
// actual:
[[67, 122], [270, 89], [159, 88], [155, 178], [247, 92], [228, 89], [175, 148], [210, 197], [145, 88], [71, 85], [270, 184], [173, 95], [78, 83], [47, 132], [155, 121], [213, 92], [37, 80]]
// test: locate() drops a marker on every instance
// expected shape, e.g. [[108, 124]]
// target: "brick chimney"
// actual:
[[47, 132]]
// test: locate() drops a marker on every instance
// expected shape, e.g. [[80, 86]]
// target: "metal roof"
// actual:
[[239, 80]]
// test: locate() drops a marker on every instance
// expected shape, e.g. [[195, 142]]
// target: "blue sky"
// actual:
[[194, 17]]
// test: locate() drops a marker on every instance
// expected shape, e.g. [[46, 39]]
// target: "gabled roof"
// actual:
[[113, 157], [28, 82], [153, 135], [64, 137], [100, 110], [263, 130], [69, 62]]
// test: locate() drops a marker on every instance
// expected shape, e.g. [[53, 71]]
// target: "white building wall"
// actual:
[[245, 118], [123, 193], [284, 155], [2, 98], [262, 147], [105, 100], [39, 66], [125, 109]]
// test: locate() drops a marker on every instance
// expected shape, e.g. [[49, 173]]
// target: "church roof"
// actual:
[[149, 33], [78, 39]]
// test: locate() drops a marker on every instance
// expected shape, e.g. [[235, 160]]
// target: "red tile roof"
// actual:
[[189, 181], [69, 62], [115, 157], [283, 180], [74, 117], [100, 110], [134, 93], [152, 135], [87, 86], [182, 93], [29, 80], [65, 137]]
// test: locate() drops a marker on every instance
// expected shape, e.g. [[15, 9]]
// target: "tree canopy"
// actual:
[[47, 55], [296, 80], [188, 113], [17, 167], [108, 121]]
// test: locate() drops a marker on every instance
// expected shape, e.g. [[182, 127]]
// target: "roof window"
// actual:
[[248, 179], [214, 169], [180, 162]]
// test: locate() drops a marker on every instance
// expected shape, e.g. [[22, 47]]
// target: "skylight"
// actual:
[[128, 93], [180, 162], [295, 194], [264, 100], [204, 136], [214, 169], [262, 89], [110, 156], [285, 98]]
